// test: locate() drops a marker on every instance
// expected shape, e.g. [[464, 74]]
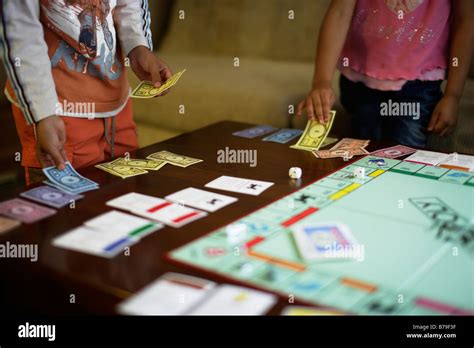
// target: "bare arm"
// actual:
[[444, 117], [332, 36]]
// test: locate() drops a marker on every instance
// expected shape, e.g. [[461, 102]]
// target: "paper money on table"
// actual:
[[120, 170], [145, 164], [146, 89], [314, 134], [173, 159], [346, 148]]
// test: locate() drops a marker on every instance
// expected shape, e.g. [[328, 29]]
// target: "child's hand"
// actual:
[[50, 140], [318, 103], [445, 116], [148, 67]]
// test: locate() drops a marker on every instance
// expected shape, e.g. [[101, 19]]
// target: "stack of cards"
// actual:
[[68, 180], [172, 294], [127, 168], [394, 151], [107, 235], [50, 196], [200, 199], [171, 214], [284, 135], [173, 159], [26, 212], [254, 132], [178, 294], [239, 185], [325, 241], [346, 148], [146, 89], [428, 157]]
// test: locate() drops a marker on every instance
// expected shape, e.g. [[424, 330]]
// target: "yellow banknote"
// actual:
[[145, 164], [174, 159], [147, 90], [121, 171], [314, 135]]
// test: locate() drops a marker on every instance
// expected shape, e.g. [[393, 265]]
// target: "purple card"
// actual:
[[394, 151], [255, 131], [50, 196], [24, 211]]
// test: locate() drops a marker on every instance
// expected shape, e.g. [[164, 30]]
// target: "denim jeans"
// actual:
[[368, 122]]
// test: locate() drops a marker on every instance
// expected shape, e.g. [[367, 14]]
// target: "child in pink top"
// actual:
[[393, 56]]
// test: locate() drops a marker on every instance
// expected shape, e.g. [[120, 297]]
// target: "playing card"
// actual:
[[235, 300], [146, 89], [104, 243], [128, 225], [135, 202], [172, 294], [239, 185], [171, 214], [427, 157], [50, 196], [174, 159], [7, 224], [255, 131], [68, 179], [394, 151], [24, 211], [458, 162], [325, 241], [200, 199], [283, 136]]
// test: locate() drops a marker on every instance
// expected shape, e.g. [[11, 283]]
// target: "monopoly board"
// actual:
[[414, 225]]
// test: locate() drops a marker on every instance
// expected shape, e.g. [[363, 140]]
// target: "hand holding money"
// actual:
[[148, 67], [314, 134], [318, 103]]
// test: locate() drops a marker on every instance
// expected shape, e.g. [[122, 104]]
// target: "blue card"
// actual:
[[68, 179], [284, 135], [255, 131], [50, 196]]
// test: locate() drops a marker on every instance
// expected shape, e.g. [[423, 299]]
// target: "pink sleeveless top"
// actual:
[[384, 51]]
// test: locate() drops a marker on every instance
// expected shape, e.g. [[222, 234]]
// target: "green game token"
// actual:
[[407, 168], [456, 177], [431, 172]]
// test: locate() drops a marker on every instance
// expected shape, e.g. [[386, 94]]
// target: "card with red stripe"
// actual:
[[171, 214]]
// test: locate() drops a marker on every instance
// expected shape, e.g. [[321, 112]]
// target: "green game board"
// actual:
[[414, 223]]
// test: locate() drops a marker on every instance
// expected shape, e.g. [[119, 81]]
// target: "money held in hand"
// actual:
[[314, 134], [147, 89]]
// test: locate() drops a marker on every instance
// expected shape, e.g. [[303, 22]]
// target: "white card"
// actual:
[[123, 223], [235, 300], [105, 243], [171, 214], [239, 185], [134, 201], [200, 199], [172, 294], [459, 162], [427, 157]]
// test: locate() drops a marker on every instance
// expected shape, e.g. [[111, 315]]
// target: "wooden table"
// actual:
[[98, 284]]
